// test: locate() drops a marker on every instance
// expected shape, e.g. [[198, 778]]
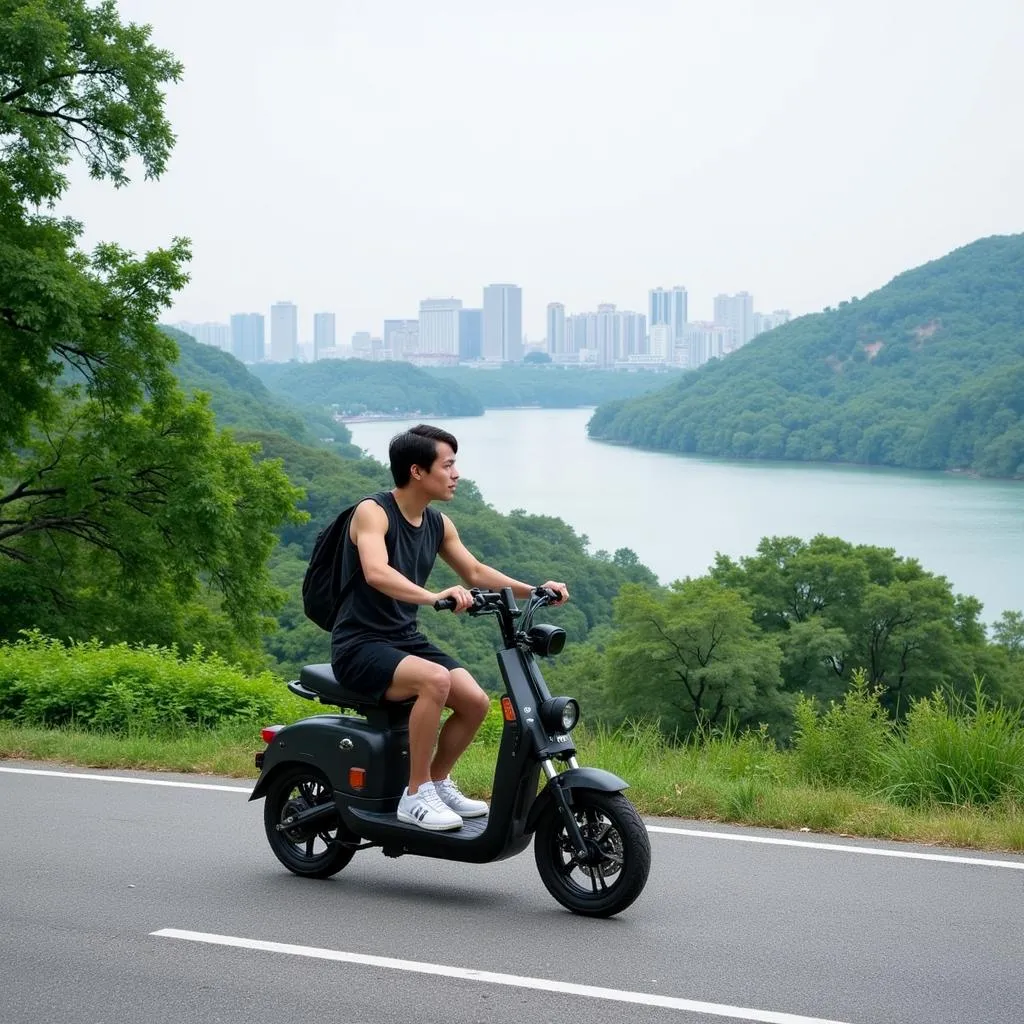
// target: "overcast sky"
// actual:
[[359, 155]]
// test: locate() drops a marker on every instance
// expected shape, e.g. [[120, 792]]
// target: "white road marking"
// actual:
[[874, 851], [127, 778], [492, 978], [736, 837]]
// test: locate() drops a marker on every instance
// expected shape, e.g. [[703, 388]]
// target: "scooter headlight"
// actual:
[[560, 714], [545, 639]]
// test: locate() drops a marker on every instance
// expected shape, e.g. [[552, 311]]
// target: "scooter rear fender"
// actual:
[[573, 778], [318, 740]]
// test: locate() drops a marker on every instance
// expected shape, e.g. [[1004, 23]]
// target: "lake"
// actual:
[[676, 511]]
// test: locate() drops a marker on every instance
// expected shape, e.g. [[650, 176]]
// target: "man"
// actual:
[[393, 540]]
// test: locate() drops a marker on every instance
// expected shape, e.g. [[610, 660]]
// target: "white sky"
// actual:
[[359, 155]]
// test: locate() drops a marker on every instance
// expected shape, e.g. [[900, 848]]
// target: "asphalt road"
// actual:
[[729, 926]]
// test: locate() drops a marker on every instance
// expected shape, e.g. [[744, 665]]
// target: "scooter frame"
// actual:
[[348, 749]]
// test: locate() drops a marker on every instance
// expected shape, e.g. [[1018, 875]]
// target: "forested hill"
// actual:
[[240, 400], [355, 386], [925, 373]]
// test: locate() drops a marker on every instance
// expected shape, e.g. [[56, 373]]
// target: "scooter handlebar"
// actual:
[[445, 604]]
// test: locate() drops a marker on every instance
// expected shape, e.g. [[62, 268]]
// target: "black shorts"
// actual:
[[369, 666]]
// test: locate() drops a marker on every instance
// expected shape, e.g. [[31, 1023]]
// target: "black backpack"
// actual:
[[322, 589]]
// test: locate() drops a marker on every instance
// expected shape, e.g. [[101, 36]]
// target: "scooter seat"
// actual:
[[321, 681]]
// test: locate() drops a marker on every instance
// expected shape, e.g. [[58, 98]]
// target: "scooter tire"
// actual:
[[314, 852], [614, 829]]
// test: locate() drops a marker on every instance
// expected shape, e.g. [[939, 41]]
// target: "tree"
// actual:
[[692, 657], [114, 489]]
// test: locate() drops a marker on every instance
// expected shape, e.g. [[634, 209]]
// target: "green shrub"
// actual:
[[843, 745], [957, 753], [125, 688]]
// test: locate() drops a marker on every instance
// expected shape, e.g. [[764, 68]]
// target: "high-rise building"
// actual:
[[471, 329], [213, 334], [323, 333], [401, 338], [661, 344], [632, 335], [769, 321], [581, 332], [362, 345], [503, 323], [736, 314], [704, 341], [669, 308], [439, 326], [556, 329], [284, 332], [247, 337]]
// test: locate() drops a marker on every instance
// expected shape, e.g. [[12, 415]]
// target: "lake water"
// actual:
[[676, 511]]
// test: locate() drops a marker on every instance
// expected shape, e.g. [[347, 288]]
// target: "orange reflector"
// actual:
[[507, 710], [357, 778]]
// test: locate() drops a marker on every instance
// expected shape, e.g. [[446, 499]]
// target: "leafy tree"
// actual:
[[692, 657], [837, 607], [115, 491]]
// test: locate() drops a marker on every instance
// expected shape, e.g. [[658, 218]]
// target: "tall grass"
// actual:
[[956, 752]]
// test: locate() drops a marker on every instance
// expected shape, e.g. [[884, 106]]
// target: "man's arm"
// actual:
[[475, 573]]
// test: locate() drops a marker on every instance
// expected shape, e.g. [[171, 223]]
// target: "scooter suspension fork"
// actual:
[[564, 805]]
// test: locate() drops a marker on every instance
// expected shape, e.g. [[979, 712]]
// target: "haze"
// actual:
[[359, 156]]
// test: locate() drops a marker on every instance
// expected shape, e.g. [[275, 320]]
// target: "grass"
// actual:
[[741, 780]]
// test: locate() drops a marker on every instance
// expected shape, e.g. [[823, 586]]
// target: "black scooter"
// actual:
[[332, 782]]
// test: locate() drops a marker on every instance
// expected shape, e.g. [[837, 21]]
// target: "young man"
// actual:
[[393, 540]]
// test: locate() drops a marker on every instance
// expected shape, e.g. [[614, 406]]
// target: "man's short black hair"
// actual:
[[416, 446]]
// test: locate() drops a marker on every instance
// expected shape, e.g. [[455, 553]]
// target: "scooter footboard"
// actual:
[[573, 778]]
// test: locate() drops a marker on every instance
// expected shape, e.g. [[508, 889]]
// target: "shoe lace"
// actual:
[[433, 800]]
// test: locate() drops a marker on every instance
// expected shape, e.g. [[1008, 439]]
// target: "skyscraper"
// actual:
[[556, 328], [439, 326], [284, 332], [736, 314], [323, 333], [503, 323], [669, 307], [401, 338], [471, 328], [247, 337]]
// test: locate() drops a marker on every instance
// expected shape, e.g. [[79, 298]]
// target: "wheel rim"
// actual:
[[312, 842], [597, 873]]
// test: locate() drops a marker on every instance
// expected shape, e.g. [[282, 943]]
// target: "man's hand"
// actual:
[[463, 598], [560, 588]]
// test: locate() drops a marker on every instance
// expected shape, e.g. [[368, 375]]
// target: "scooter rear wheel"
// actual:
[[313, 851], [615, 871]]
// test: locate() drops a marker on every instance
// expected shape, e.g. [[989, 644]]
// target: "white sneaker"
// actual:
[[424, 808], [452, 797]]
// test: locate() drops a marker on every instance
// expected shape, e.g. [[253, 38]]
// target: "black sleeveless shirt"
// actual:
[[368, 614]]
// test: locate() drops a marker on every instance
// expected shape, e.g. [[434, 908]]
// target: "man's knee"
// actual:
[[435, 684], [468, 698]]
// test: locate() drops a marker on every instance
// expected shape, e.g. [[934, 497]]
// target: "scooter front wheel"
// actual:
[[313, 851], [614, 871]]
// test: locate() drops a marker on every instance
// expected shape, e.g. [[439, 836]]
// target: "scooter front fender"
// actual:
[[573, 778]]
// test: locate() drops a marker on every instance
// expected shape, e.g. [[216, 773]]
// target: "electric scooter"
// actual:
[[332, 782]]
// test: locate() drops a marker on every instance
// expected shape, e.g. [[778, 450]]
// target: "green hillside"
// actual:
[[550, 386], [925, 373], [240, 400], [356, 386]]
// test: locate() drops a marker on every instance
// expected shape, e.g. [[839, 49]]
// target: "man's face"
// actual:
[[443, 477]]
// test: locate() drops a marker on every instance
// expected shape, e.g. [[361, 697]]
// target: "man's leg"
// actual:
[[430, 685], [469, 706]]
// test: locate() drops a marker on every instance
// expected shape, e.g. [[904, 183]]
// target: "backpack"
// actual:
[[322, 589]]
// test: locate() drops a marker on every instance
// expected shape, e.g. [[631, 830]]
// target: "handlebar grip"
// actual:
[[445, 604]]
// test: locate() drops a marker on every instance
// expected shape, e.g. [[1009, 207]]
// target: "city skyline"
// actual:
[[447, 332], [766, 160]]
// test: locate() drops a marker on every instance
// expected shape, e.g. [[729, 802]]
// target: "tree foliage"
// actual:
[[925, 373], [358, 386], [118, 497]]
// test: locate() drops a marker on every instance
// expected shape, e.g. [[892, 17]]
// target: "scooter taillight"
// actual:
[[270, 732]]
